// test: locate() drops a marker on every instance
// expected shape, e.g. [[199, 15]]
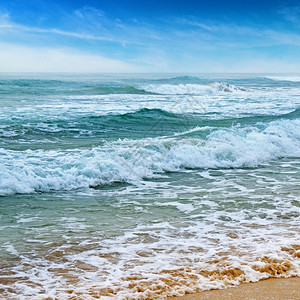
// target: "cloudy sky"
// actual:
[[149, 36]]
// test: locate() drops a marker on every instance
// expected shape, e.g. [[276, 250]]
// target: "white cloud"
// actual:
[[204, 47], [16, 58], [114, 31], [4, 18], [231, 35], [11, 27], [290, 13]]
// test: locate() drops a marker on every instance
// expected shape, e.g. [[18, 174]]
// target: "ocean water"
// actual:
[[146, 186]]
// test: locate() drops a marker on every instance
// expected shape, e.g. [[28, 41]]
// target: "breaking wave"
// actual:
[[181, 89], [131, 161]]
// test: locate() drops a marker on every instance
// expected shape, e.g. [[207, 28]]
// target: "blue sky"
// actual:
[[150, 36]]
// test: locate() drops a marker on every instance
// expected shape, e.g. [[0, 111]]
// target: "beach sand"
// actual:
[[273, 288]]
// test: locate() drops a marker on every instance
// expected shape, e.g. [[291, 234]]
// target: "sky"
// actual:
[[150, 36]]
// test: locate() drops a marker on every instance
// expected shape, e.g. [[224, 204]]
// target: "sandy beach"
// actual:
[[273, 288]]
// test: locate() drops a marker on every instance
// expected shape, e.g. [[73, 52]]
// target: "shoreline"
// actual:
[[271, 288]]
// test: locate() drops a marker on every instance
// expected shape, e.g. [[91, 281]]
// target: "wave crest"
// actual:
[[190, 89], [284, 78], [130, 161]]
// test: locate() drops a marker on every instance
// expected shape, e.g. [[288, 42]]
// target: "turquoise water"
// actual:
[[144, 186]]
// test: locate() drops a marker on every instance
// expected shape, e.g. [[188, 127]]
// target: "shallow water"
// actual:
[[144, 186]]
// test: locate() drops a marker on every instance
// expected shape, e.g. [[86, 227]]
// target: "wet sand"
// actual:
[[274, 288]]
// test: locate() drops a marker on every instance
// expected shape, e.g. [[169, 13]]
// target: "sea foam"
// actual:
[[190, 89], [284, 78], [130, 160]]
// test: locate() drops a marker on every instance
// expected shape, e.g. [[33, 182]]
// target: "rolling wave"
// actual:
[[143, 123], [39, 86], [181, 79], [131, 161], [106, 90], [157, 114], [192, 89], [284, 78]]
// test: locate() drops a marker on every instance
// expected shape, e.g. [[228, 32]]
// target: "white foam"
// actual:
[[10, 249], [284, 78], [190, 237], [27, 220], [185, 207], [196, 129], [130, 161], [179, 99], [190, 89]]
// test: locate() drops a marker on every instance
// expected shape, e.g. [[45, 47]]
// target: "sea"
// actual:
[[145, 186]]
